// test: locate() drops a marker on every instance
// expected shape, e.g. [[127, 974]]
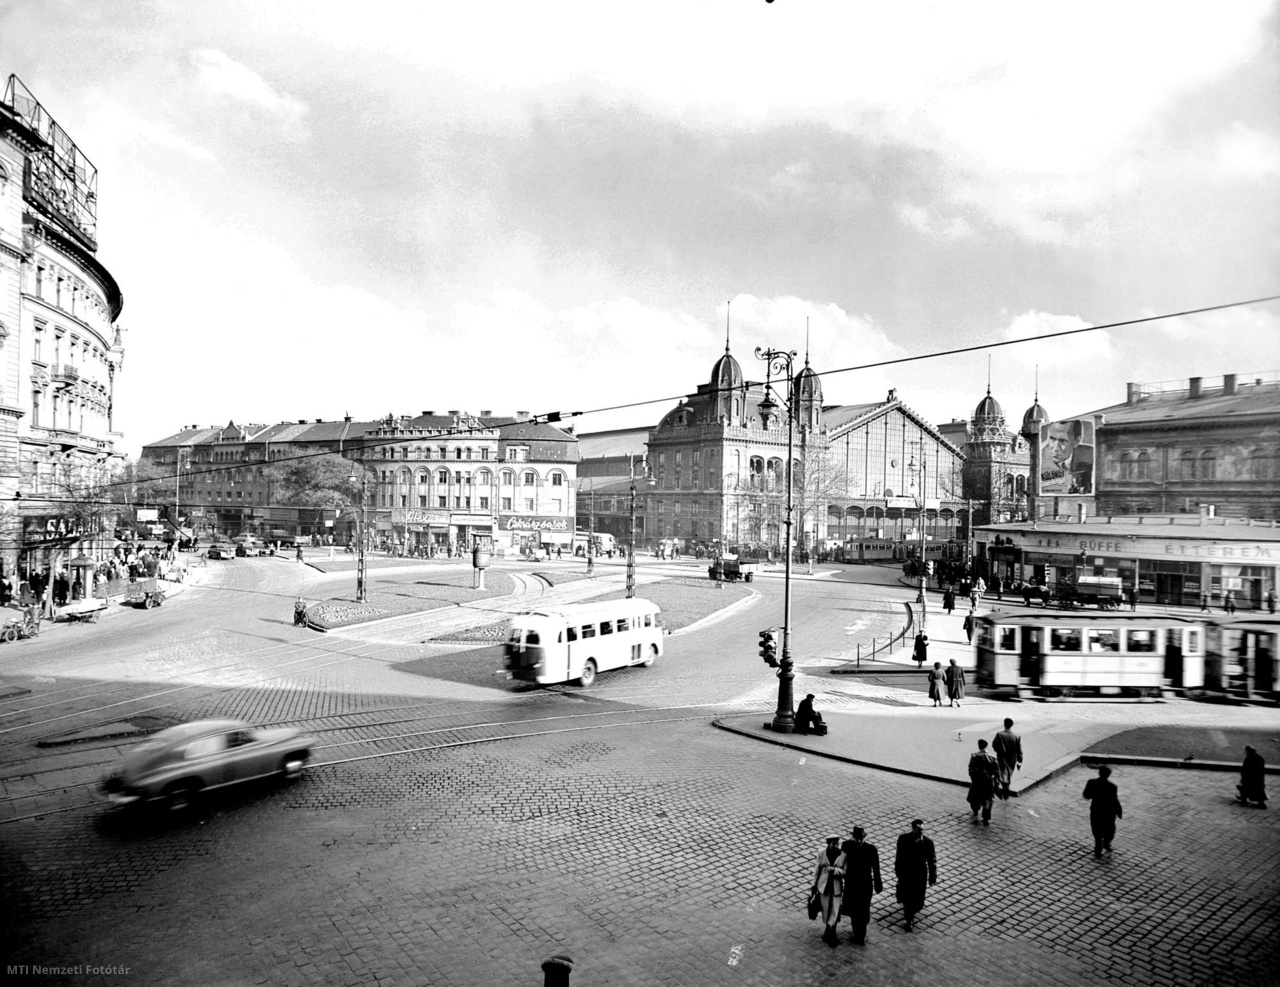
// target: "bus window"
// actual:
[[1008, 638], [588, 630], [531, 638], [623, 624], [1140, 642], [571, 634], [1104, 641], [1064, 639], [606, 627], [648, 620]]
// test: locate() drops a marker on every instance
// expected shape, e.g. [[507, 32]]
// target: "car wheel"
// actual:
[[180, 796], [588, 673], [148, 603], [651, 657], [294, 764], [10, 634]]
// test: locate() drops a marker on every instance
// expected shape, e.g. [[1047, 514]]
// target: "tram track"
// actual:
[[17, 806]]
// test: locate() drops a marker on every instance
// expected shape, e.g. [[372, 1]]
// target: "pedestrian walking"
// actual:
[[916, 867], [999, 588], [1253, 775], [299, 555], [984, 776], [1104, 810], [862, 880], [937, 682], [920, 650], [955, 684], [1026, 594], [970, 622], [1132, 593], [949, 600], [1229, 602], [1271, 601], [1204, 602], [828, 885], [1007, 747]]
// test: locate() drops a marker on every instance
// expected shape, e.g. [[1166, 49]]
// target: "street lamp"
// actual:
[[591, 524], [780, 362], [923, 503], [363, 534], [631, 549]]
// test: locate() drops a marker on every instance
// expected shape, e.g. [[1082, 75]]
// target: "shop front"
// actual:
[[522, 533], [418, 532], [1182, 565]]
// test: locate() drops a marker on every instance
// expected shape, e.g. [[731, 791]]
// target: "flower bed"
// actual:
[[394, 600]]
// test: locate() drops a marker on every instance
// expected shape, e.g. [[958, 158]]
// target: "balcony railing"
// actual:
[[65, 371]]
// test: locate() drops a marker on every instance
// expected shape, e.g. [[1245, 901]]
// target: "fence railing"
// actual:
[[886, 644]]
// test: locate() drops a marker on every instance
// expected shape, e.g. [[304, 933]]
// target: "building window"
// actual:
[[528, 503], [442, 501], [404, 500], [457, 477], [484, 503], [443, 477], [466, 502], [1143, 471], [1208, 466], [35, 408], [506, 503], [530, 478], [422, 500], [468, 452], [444, 452], [457, 501], [508, 478], [457, 453], [557, 479], [1188, 463], [484, 453]]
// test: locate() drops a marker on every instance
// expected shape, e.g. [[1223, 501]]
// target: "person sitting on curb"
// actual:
[[808, 719]]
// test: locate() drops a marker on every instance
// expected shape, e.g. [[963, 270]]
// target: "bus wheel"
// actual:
[[651, 657], [588, 673]]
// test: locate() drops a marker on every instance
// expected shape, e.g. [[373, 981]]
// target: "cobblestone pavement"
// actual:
[[660, 853]]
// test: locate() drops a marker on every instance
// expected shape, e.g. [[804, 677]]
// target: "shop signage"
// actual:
[[1150, 548], [51, 530], [404, 515], [148, 514], [474, 520], [533, 522]]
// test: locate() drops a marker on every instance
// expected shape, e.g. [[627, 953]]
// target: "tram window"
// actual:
[[1064, 639], [1140, 642], [984, 636], [531, 638], [571, 634], [1193, 642], [1104, 641], [1008, 638]]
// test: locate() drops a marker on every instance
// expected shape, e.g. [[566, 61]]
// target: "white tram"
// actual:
[[1063, 654], [1244, 657]]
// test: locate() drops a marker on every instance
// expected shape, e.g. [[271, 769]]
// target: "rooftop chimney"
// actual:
[[1132, 397], [522, 414], [302, 421], [1229, 384], [486, 414], [1195, 386], [428, 414], [319, 421]]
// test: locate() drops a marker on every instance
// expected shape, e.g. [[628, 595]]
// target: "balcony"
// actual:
[[68, 373]]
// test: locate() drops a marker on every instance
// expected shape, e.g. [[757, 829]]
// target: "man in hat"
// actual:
[[828, 885], [862, 880], [1008, 750], [807, 717], [1104, 809], [916, 866]]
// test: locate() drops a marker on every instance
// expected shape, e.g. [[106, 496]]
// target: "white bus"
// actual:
[[575, 641]]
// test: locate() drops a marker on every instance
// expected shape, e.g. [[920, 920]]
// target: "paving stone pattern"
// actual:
[[666, 853]]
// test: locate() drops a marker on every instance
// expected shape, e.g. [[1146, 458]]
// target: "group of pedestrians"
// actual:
[[951, 680], [848, 876], [991, 771]]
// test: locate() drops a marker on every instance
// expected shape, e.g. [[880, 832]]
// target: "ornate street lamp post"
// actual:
[[780, 362], [363, 535], [631, 548], [591, 525]]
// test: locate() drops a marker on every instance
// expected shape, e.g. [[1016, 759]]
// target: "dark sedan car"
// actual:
[[174, 766]]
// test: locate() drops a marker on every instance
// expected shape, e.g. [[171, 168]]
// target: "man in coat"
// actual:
[[916, 867], [920, 650], [1253, 774], [984, 776], [1104, 809], [955, 683], [862, 880], [1007, 746], [970, 623], [949, 600]]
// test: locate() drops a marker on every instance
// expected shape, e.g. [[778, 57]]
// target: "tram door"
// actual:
[[1263, 664], [1031, 656], [1173, 657]]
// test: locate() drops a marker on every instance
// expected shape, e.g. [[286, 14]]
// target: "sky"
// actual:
[[323, 209]]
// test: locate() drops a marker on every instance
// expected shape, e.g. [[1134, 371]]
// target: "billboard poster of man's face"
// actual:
[[1066, 458]]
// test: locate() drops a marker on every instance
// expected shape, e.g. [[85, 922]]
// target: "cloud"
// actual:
[[220, 76], [919, 218], [125, 125], [1085, 349], [1248, 153]]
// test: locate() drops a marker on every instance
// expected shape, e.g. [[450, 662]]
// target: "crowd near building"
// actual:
[[60, 348]]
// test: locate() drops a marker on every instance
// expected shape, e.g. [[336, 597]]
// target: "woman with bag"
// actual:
[[828, 888]]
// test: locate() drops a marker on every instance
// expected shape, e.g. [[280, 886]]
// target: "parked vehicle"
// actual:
[[174, 767], [26, 625], [87, 610], [248, 545], [221, 550], [731, 569], [145, 593]]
